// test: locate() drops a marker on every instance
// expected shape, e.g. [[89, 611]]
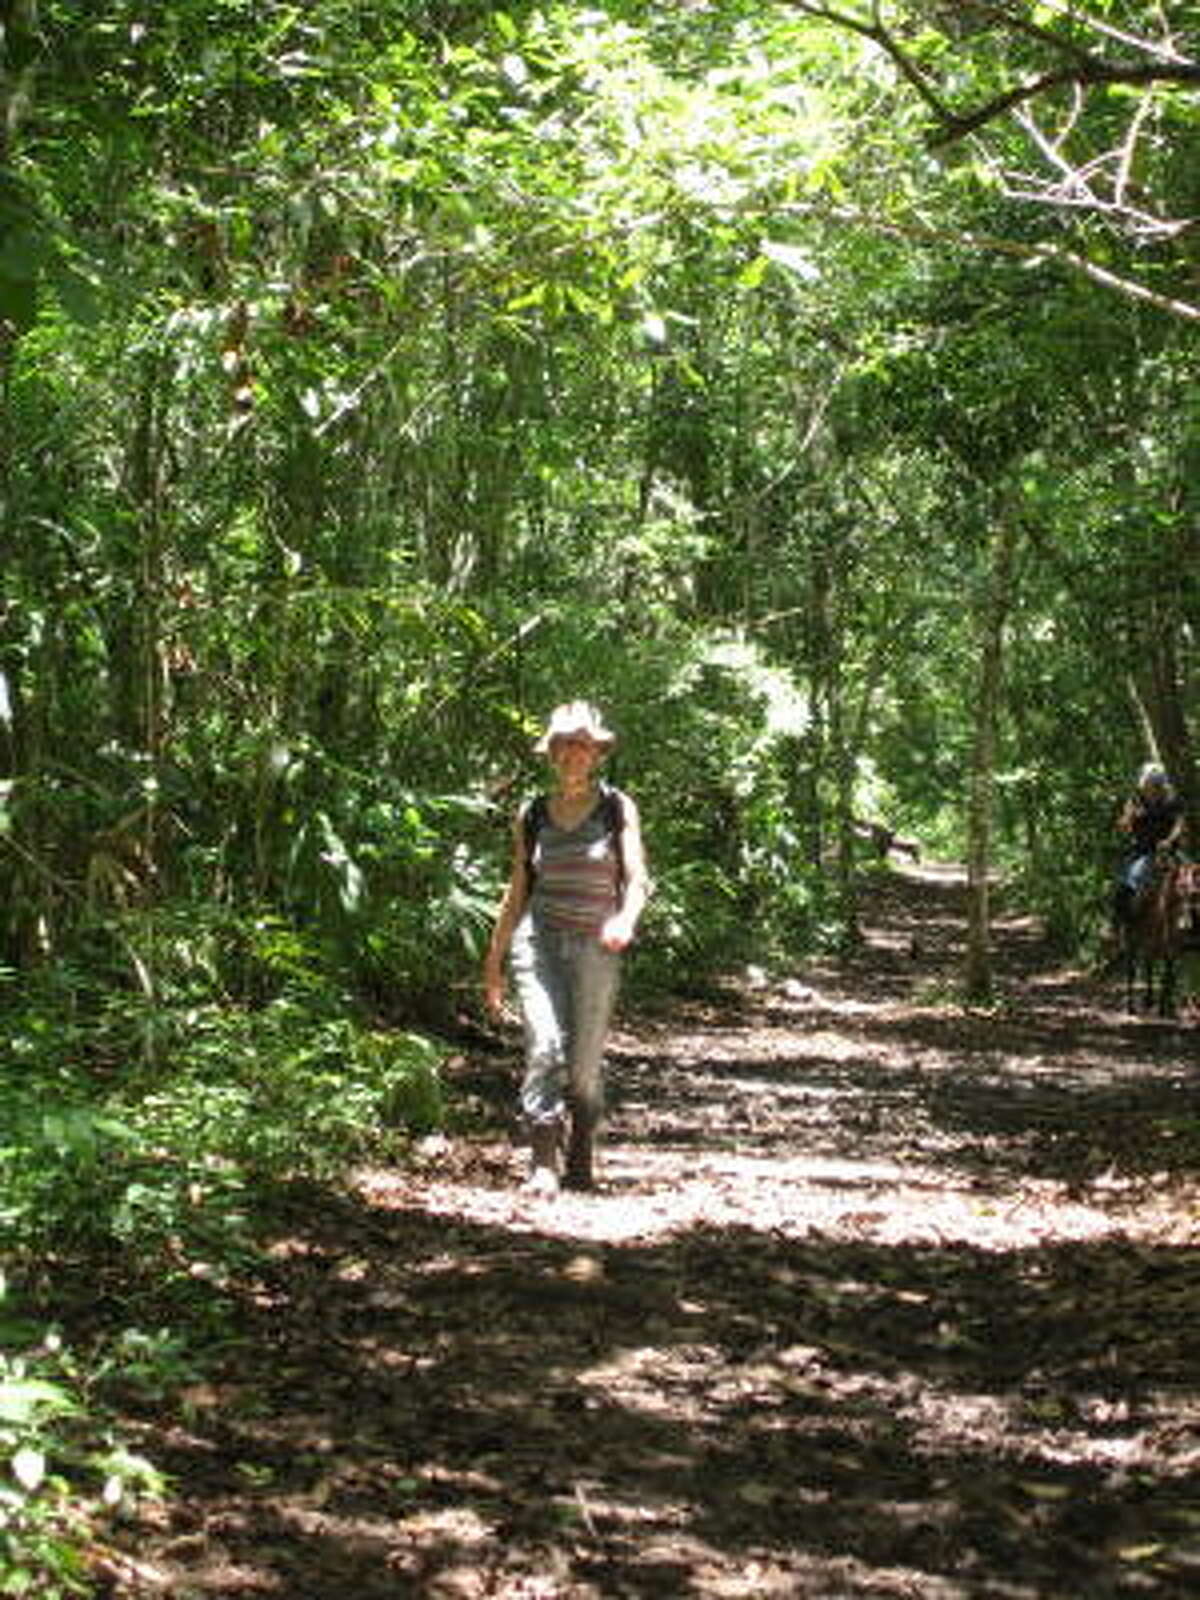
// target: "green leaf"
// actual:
[[792, 258], [29, 1468], [753, 273], [23, 1399]]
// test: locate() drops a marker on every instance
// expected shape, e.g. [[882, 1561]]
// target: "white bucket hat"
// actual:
[[575, 717]]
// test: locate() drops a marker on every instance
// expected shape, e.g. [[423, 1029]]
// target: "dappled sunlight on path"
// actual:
[[644, 1199], [880, 1295], [845, 1098]]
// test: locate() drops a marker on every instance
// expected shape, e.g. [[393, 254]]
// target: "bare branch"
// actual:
[[1132, 41], [1032, 256], [1081, 55], [1077, 188], [1016, 21], [1128, 150], [1095, 75], [1081, 67], [878, 34]]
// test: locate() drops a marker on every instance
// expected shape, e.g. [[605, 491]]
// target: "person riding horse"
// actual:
[[1153, 817]]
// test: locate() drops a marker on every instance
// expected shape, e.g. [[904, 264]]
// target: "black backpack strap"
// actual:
[[532, 824]]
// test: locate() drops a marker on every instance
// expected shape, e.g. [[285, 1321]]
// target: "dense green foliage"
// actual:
[[376, 375]]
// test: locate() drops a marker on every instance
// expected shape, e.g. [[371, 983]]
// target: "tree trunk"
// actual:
[[993, 605], [829, 678], [1160, 698]]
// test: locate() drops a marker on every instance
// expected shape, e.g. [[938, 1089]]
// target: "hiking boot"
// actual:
[[545, 1139], [580, 1156]]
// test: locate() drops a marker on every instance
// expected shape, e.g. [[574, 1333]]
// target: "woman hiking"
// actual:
[[575, 892]]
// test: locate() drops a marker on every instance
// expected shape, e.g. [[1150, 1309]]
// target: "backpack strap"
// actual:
[[532, 823]]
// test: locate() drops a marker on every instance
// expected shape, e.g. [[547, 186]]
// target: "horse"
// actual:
[[1189, 935], [1152, 933]]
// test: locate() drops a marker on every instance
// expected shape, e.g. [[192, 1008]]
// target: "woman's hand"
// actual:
[[617, 932]]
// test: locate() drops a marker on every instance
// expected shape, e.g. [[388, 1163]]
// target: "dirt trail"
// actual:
[[881, 1296]]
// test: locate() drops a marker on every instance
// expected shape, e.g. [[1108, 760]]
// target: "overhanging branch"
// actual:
[[1096, 74], [1030, 256], [1078, 66]]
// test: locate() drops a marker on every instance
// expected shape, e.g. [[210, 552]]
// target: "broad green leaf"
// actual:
[[23, 1399], [793, 258], [29, 1468]]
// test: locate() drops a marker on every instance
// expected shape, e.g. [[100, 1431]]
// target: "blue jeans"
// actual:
[[566, 984], [1136, 873]]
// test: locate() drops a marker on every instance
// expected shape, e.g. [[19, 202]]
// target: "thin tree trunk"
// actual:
[[995, 600], [1158, 691], [829, 635]]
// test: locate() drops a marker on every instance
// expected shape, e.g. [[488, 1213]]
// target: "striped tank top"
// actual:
[[576, 874]]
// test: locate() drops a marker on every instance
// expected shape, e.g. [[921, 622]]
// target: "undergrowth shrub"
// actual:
[[148, 1113], [170, 1155], [143, 1126], [65, 1470]]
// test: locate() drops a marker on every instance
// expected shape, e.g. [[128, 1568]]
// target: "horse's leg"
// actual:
[[1148, 966], [1166, 989], [1131, 976]]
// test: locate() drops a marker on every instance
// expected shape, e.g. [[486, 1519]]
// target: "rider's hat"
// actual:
[[1153, 776]]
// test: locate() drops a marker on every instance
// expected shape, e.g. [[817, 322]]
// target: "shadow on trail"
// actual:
[[432, 1408], [879, 1297]]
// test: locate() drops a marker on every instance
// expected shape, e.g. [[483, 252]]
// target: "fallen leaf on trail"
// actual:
[[1047, 1491], [757, 1494]]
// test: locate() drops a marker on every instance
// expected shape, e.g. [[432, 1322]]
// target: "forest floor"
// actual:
[[880, 1295]]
